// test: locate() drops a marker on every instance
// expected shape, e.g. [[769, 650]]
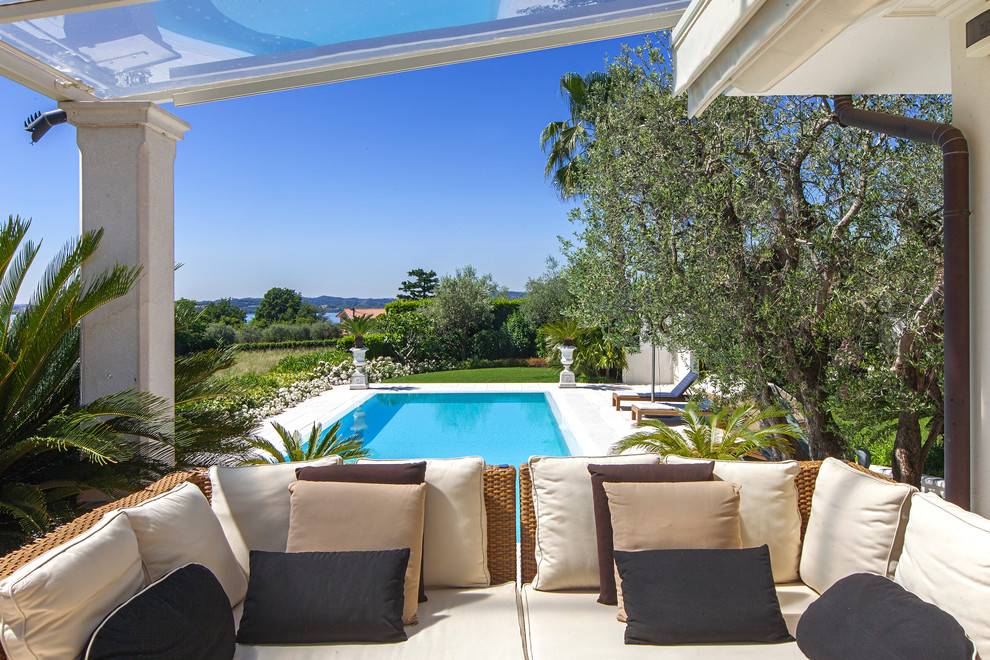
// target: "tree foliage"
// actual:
[[279, 305], [776, 245], [223, 311], [463, 305], [547, 296], [422, 286]]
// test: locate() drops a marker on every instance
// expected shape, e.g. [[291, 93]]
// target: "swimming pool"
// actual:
[[503, 428]]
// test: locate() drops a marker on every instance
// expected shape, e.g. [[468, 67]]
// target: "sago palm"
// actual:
[[729, 434], [51, 447], [300, 448], [205, 434], [359, 326]]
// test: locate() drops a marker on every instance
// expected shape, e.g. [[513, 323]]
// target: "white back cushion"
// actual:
[[856, 525], [768, 508], [455, 544], [566, 546], [946, 561], [178, 528], [51, 605], [252, 504]]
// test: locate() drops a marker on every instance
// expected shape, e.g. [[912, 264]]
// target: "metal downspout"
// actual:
[[955, 245]]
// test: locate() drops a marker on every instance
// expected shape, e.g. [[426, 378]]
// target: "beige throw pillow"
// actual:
[[178, 528], [51, 605], [252, 504], [337, 516], [566, 542], [768, 508], [666, 516], [946, 561], [455, 544], [856, 525]]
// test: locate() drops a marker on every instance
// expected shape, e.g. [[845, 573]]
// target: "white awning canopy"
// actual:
[[775, 47], [191, 51]]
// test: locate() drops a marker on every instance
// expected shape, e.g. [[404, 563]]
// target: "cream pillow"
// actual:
[[768, 508], [329, 516], [51, 605], [252, 504], [178, 528], [856, 525], [668, 516], [566, 544], [946, 561], [455, 547]]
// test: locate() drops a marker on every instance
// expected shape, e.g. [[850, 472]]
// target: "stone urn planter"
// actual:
[[359, 381], [566, 359]]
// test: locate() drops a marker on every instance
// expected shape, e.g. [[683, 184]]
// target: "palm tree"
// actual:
[[565, 332], [729, 434], [298, 448], [359, 326], [565, 141], [52, 448]]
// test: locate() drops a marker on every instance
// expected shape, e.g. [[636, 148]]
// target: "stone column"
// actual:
[[970, 100], [127, 151]]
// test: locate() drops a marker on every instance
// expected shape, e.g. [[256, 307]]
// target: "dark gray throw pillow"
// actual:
[[865, 613], [700, 597], [324, 597], [185, 614]]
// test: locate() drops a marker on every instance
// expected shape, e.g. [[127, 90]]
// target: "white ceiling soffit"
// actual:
[[193, 51], [765, 47]]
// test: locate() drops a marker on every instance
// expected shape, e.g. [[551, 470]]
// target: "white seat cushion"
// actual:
[[566, 542], [573, 625], [455, 544], [454, 624], [178, 528], [768, 508], [946, 561], [856, 525], [51, 605], [252, 504]]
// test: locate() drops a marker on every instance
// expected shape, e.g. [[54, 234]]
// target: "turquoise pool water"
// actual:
[[503, 428]]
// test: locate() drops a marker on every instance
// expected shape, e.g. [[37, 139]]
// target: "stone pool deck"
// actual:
[[586, 409]]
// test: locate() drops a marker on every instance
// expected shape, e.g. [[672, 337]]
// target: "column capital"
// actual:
[[108, 114]]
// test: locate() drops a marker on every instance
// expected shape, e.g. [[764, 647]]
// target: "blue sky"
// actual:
[[338, 189]]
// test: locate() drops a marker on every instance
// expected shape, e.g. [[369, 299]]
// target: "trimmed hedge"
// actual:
[[269, 345]]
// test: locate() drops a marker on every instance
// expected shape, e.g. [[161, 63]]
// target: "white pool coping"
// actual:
[[591, 423]]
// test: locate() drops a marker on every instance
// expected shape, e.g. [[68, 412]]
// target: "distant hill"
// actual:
[[330, 303]]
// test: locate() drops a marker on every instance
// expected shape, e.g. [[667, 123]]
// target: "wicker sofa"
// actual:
[[510, 619]]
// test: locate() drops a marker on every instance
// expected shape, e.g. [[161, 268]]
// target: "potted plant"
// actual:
[[562, 336], [359, 326]]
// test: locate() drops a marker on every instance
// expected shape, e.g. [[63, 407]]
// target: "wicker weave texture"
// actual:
[[500, 508], [527, 525]]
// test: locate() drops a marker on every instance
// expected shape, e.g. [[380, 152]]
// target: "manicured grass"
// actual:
[[493, 375]]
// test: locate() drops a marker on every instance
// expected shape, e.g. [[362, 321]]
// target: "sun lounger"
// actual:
[[641, 410], [675, 394]]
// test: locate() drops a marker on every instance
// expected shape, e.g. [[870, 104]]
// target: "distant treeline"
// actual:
[[330, 303]]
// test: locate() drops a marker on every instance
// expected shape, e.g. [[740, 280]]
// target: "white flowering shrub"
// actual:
[[282, 391]]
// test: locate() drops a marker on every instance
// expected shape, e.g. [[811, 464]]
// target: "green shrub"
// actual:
[[222, 332], [377, 345], [249, 334], [404, 306]]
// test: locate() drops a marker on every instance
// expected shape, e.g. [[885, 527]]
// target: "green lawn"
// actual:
[[493, 375]]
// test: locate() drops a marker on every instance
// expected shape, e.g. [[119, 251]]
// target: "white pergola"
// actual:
[[813, 47]]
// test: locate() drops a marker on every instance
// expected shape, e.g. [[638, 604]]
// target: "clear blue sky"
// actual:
[[338, 189]]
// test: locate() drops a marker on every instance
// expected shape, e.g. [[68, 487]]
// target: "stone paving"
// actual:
[[592, 424]]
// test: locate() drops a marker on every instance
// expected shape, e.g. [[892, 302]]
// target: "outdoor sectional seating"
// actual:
[[933, 549]]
